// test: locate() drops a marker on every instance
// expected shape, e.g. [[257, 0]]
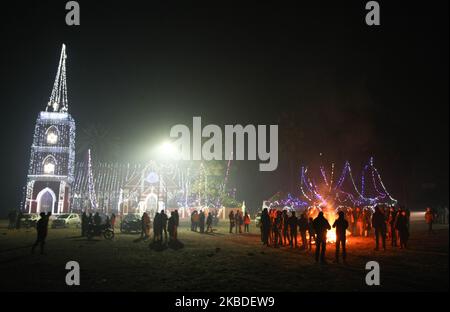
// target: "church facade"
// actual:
[[52, 157]]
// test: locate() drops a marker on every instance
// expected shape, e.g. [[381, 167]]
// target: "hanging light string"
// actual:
[[91, 185], [58, 98]]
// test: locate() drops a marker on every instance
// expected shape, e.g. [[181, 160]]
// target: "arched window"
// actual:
[[52, 135], [49, 164]]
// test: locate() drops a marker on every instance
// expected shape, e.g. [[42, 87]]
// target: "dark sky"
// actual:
[[135, 68]]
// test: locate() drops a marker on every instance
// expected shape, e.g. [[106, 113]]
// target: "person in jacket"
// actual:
[[265, 227], [285, 227], [41, 228], [209, 222], [341, 226], [201, 220], [232, 220], [303, 228], [247, 223], [379, 224], [292, 222], [321, 226], [401, 226]]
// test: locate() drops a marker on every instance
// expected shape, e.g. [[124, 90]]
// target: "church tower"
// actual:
[[52, 159]]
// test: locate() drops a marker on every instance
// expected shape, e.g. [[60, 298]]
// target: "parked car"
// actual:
[[29, 220], [131, 223], [67, 220]]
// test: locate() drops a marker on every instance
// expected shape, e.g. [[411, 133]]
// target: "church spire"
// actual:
[[58, 98]]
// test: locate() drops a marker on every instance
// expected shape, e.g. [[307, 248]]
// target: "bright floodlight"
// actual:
[[168, 150]]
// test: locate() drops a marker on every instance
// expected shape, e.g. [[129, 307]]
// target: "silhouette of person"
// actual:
[[321, 226], [171, 224], [176, 223], [312, 233], [12, 219], [97, 220], [41, 228], [201, 221], [292, 223], [277, 227], [247, 222], [164, 220], [402, 227], [303, 227], [157, 228], [209, 221], [265, 226], [19, 220], [84, 223], [232, 221], [379, 224], [341, 226], [429, 218], [285, 226]]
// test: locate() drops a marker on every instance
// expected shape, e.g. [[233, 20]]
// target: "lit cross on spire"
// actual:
[[58, 98]]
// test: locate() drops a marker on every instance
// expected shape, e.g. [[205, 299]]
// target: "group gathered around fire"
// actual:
[[388, 223]]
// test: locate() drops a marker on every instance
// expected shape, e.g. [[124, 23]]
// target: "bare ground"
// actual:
[[218, 262]]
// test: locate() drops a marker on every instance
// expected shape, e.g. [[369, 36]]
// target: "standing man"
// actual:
[[19, 219], [231, 217], [84, 223], [341, 226], [303, 227], [265, 227], [41, 227], [285, 226], [176, 224], [247, 222], [321, 226], [164, 220], [292, 222], [379, 224], [202, 221]]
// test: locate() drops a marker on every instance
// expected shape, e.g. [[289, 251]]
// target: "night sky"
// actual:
[[333, 84]]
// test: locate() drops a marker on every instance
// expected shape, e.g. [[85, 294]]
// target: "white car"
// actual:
[[67, 220]]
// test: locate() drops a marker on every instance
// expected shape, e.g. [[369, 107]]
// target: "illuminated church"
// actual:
[[52, 158], [57, 183]]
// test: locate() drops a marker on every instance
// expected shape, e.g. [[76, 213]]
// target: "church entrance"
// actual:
[[46, 201]]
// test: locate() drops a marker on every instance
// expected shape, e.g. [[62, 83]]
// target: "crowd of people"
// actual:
[[201, 219], [239, 220], [281, 228]]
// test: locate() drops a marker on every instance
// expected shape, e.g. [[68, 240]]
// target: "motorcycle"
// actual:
[[104, 230]]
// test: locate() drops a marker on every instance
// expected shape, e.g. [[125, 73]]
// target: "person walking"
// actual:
[[41, 228], [341, 226]]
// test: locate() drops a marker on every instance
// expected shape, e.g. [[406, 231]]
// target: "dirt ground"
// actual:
[[217, 262]]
